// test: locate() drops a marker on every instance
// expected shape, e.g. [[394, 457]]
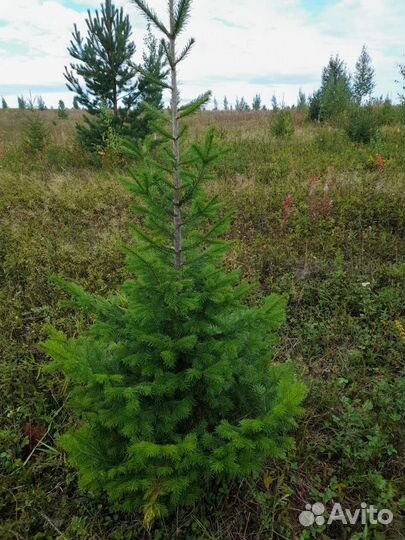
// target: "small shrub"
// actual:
[[361, 124], [35, 137], [314, 109], [62, 112], [376, 163], [283, 124], [111, 149]]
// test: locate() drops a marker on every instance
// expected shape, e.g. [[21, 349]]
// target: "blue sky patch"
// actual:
[[228, 24], [316, 7], [80, 8]]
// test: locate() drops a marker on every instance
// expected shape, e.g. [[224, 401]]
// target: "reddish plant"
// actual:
[[313, 201], [380, 162], [288, 206], [327, 205], [34, 433]]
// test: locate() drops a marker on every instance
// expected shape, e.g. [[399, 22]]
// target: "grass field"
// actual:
[[317, 218]]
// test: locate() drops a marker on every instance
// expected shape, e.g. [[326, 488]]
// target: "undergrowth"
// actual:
[[316, 217]]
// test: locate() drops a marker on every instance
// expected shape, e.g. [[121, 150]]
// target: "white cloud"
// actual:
[[243, 46]]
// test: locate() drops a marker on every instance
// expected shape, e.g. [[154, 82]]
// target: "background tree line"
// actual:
[[116, 92]]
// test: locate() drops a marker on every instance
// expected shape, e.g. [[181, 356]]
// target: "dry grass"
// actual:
[[13, 123], [342, 334]]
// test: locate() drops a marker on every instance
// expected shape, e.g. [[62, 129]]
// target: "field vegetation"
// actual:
[[176, 388], [316, 217]]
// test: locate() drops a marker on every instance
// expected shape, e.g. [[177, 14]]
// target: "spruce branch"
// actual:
[[182, 14], [151, 15], [151, 78], [184, 53], [195, 105], [156, 114], [150, 242]]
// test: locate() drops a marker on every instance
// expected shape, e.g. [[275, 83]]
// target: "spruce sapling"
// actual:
[[174, 385]]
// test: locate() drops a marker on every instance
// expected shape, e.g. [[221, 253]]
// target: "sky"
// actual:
[[244, 47]]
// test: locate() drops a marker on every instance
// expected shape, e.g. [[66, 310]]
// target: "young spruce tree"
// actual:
[[174, 384], [336, 90], [22, 104], [152, 71], [364, 77], [257, 103], [41, 105], [402, 73], [62, 111]]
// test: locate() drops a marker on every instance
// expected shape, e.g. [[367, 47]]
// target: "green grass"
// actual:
[[316, 217]]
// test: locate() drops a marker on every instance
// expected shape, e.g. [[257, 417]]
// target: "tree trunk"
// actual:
[[178, 240], [115, 101]]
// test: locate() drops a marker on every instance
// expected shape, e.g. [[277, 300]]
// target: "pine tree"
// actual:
[[334, 72], [402, 73], [76, 104], [226, 104], [363, 81], [215, 106], [41, 106], [104, 60], [257, 102], [274, 103], [302, 101], [335, 99], [21, 103], [315, 105], [241, 105], [4, 103], [62, 112], [336, 91], [104, 73], [173, 384], [30, 102]]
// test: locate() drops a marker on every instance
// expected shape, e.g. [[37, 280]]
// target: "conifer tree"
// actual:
[[4, 103], [226, 104], [302, 101], [274, 103], [62, 112], [315, 105], [363, 80], [334, 72], [30, 102], [336, 91], [41, 106], [21, 102], [151, 73], [241, 105], [402, 73], [76, 104], [103, 74], [174, 385], [257, 102], [35, 136]]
